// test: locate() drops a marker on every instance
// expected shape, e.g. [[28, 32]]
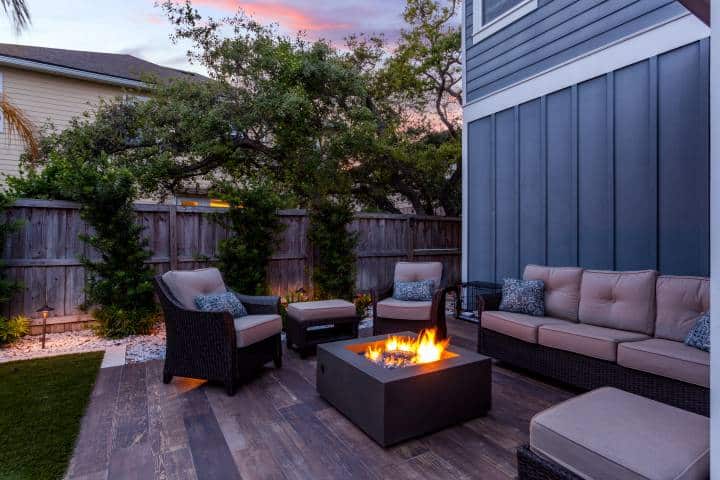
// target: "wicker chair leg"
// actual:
[[230, 386], [167, 377], [277, 355]]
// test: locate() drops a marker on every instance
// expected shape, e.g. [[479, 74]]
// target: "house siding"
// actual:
[[45, 99], [556, 32], [610, 173]]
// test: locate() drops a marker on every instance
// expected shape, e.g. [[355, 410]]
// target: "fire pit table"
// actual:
[[392, 398]]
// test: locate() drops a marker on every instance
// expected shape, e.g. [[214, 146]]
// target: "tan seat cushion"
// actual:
[[253, 328], [562, 289], [620, 300], [667, 358], [402, 310], [416, 271], [185, 285], [518, 325], [680, 301], [612, 435], [597, 342], [306, 311]]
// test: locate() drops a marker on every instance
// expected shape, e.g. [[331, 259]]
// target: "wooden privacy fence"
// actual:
[[44, 254]]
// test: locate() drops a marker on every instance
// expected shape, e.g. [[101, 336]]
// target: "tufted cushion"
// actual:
[[680, 301], [401, 310], [415, 271], [253, 328], [562, 289], [185, 285], [619, 300]]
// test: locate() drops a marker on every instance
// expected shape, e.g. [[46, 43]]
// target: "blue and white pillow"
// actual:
[[221, 302], [523, 296], [699, 334], [421, 291]]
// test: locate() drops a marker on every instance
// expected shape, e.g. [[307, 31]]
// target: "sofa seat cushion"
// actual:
[[251, 329], [611, 434], [620, 300], [589, 340], [518, 325], [667, 358], [680, 301], [323, 309], [402, 310], [185, 285], [562, 289]]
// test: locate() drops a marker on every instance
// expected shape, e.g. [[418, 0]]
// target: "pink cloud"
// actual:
[[288, 16], [155, 19]]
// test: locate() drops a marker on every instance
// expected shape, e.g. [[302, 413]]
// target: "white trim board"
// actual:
[[463, 159], [481, 32], [658, 39]]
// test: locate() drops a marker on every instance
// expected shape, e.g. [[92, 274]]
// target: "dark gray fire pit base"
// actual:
[[392, 405]]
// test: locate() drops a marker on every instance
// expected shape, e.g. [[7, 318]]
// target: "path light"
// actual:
[[44, 311]]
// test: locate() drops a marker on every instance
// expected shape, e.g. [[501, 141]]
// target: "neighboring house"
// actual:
[[53, 85], [586, 136]]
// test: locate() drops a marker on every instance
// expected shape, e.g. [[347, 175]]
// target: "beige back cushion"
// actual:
[[620, 300], [562, 289], [416, 271], [680, 301], [188, 284]]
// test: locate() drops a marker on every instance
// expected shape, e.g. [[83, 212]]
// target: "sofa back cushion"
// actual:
[[680, 301], [562, 289], [619, 300], [416, 271], [185, 285]]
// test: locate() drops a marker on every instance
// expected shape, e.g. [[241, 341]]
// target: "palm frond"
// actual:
[[18, 122], [18, 12]]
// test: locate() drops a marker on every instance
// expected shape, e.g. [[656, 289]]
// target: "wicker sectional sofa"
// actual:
[[606, 328]]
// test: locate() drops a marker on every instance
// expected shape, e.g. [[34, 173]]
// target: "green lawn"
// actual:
[[41, 404]]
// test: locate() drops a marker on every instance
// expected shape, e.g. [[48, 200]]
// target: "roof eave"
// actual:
[[24, 64]]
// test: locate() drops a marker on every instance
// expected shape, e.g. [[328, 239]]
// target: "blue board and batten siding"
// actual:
[[611, 173], [556, 32]]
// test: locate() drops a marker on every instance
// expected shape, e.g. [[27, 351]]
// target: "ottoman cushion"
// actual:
[[320, 310], [611, 434]]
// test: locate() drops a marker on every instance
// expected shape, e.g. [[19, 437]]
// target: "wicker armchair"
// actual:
[[390, 315], [212, 345]]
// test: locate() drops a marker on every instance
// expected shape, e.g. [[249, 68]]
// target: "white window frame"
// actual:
[[514, 14], [2, 117]]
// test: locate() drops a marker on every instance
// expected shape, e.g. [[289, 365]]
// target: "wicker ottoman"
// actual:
[[610, 434], [312, 323]]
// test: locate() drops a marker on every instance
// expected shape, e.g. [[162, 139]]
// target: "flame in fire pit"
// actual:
[[404, 351]]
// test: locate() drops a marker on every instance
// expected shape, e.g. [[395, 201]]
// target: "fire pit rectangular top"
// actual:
[[352, 352]]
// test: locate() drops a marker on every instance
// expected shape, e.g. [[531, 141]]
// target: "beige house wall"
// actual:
[[45, 99]]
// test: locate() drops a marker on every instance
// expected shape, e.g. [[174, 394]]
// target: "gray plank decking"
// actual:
[[277, 427]]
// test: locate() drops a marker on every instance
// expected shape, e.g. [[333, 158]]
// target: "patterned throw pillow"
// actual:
[[699, 334], [421, 291], [221, 302], [523, 296]]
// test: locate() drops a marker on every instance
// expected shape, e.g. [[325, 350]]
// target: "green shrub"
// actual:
[[254, 225], [13, 328], [118, 291], [334, 269]]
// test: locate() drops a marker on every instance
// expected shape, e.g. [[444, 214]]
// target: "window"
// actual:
[[490, 16]]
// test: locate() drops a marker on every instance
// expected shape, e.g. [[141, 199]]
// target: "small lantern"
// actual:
[[45, 312]]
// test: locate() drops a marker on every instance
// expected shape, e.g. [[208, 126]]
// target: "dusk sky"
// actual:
[[138, 28]]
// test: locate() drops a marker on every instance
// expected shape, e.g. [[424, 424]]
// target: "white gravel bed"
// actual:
[[139, 348]]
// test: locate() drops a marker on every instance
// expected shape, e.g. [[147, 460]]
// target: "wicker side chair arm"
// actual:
[[260, 304]]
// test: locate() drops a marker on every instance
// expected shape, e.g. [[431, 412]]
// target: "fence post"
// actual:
[[410, 238], [172, 236]]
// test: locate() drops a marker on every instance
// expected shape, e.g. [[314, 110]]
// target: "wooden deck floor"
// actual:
[[277, 427]]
